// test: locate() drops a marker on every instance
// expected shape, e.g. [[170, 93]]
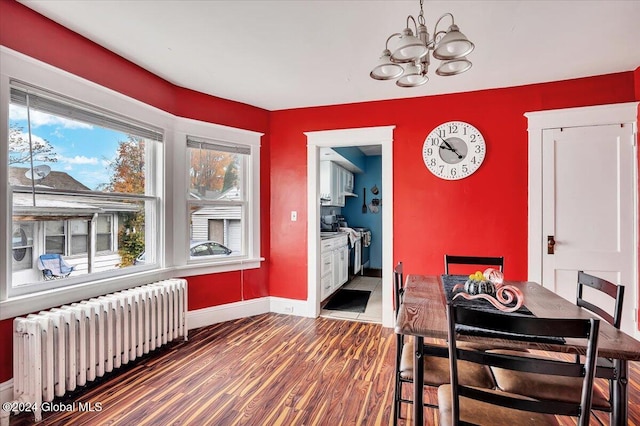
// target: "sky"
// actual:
[[84, 151]]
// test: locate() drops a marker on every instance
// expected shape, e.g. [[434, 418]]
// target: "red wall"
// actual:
[[485, 213]]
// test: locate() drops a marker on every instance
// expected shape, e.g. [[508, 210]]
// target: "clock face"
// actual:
[[453, 150]]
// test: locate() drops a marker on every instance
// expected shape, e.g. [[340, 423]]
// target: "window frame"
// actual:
[[172, 215], [243, 203], [218, 134], [60, 240]]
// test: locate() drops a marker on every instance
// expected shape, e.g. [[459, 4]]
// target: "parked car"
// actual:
[[197, 250], [208, 248]]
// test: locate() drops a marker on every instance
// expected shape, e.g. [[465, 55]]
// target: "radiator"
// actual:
[[58, 350]]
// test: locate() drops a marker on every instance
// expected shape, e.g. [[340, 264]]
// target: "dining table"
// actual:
[[423, 315]]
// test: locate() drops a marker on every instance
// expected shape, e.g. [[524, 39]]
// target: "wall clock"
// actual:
[[453, 150]]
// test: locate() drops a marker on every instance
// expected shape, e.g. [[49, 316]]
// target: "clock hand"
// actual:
[[449, 147]]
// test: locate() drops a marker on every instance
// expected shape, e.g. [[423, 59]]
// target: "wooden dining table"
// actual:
[[423, 315]]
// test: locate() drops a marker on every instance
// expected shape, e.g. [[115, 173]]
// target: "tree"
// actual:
[[128, 167], [209, 169], [20, 152], [129, 177]]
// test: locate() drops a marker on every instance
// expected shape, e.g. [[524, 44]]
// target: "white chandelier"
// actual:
[[450, 46]]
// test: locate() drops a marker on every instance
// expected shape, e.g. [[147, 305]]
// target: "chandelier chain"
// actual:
[[421, 20]]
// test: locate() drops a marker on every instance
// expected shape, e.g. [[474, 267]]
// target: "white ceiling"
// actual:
[[298, 53]]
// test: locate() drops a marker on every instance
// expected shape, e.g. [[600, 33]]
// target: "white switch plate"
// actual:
[[294, 216]]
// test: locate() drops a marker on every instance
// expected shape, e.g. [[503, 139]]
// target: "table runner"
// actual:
[[449, 281]]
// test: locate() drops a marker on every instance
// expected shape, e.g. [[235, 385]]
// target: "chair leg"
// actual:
[[398, 385]]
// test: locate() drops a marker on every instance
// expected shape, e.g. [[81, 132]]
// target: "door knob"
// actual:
[[551, 243]]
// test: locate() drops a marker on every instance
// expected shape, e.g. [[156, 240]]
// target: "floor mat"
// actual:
[[348, 300]]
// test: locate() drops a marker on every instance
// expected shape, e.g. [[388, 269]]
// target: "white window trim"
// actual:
[[172, 215], [207, 131]]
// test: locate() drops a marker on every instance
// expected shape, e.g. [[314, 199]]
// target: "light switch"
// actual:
[[294, 215]]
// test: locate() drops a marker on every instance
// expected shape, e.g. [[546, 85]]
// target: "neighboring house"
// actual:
[[81, 228], [221, 223]]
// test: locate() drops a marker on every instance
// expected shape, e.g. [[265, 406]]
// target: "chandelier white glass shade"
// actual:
[[414, 51]]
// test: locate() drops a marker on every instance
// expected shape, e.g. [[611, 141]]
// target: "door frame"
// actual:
[[575, 117], [382, 135]]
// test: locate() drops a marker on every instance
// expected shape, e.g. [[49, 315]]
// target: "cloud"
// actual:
[[39, 118], [78, 159]]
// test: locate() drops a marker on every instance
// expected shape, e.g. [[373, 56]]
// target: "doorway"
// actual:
[[582, 200], [382, 136]]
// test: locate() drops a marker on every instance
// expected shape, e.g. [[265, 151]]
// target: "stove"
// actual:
[[358, 246]]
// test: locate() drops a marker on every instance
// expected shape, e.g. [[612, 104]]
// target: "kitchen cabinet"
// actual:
[[343, 266], [326, 279], [335, 181], [334, 266]]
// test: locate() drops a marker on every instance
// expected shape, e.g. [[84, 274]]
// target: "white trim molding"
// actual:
[[383, 136], [538, 122], [227, 312], [6, 395], [554, 119]]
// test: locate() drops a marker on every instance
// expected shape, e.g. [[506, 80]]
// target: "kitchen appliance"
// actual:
[[329, 222], [365, 238], [359, 243]]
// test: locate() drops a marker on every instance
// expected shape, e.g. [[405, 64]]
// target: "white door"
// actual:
[[588, 209]]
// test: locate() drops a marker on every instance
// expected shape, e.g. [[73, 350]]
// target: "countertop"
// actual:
[[327, 235]]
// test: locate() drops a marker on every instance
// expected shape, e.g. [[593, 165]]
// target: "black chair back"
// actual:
[[473, 260], [398, 287], [512, 327], [612, 290]]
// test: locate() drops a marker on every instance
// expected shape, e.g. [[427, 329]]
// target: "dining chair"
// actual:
[[436, 364], [544, 386], [459, 403], [450, 259], [605, 366], [614, 291]]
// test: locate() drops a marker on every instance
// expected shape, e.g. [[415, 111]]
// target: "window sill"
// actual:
[[34, 302], [201, 268]]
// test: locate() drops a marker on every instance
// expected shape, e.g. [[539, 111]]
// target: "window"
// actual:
[[218, 202], [22, 246], [77, 232], [86, 179], [82, 186]]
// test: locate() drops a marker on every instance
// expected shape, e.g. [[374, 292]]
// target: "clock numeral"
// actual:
[[441, 169], [478, 149], [472, 138], [429, 152], [432, 162], [453, 171], [453, 128], [441, 133], [435, 141], [465, 169], [473, 160]]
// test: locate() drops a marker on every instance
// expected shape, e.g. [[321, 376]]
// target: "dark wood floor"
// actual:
[[265, 370]]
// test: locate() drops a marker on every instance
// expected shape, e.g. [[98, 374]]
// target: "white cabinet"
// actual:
[[326, 277], [334, 265], [335, 181], [343, 265], [327, 195], [348, 180]]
